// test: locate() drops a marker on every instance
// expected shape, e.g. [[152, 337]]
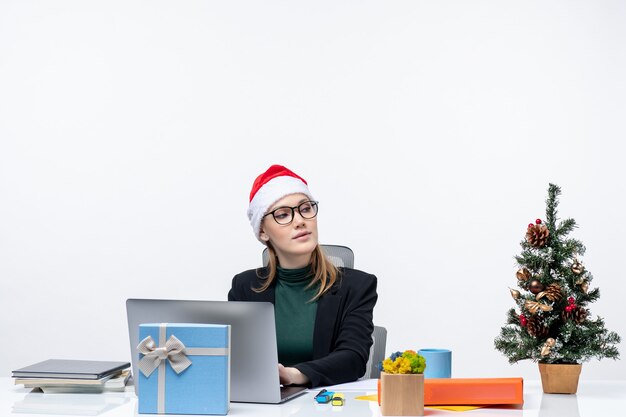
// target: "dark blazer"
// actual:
[[342, 335]]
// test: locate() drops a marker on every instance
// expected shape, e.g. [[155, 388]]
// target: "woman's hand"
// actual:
[[291, 376]]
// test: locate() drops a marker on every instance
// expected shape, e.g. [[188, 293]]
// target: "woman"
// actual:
[[323, 314]]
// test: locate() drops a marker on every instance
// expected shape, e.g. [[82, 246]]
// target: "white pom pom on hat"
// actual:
[[269, 187]]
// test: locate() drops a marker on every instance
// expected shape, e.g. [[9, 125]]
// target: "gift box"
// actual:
[[184, 368], [474, 391], [470, 391]]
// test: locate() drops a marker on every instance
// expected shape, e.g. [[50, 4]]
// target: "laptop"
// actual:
[[254, 355]]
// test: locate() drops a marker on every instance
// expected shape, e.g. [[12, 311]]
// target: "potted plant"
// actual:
[[402, 384], [552, 324]]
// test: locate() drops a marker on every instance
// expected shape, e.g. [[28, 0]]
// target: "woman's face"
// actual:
[[293, 242]]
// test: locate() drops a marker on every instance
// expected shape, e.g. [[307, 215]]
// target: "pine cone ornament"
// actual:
[[577, 314], [537, 235], [536, 327], [552, 292]]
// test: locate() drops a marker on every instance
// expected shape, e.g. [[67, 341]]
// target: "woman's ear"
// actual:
[[264, 237]]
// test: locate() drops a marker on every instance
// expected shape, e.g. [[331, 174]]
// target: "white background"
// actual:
[[131, 132]]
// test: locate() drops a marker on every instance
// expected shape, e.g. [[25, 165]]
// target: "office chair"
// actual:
[[340, 256], [343, 256], [377, 353]]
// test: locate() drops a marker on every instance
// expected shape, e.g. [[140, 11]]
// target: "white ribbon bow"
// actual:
[[174, 351]]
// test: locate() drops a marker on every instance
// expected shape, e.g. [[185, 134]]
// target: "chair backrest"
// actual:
[[340, 256], [377, 353], [343, 256]]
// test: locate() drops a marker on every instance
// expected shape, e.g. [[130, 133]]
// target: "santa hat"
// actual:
[[269, 187]]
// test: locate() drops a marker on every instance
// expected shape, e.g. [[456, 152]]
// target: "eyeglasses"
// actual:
[[284, 215]]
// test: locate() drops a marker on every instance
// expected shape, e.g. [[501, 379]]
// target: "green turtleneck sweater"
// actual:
[[295, 315]]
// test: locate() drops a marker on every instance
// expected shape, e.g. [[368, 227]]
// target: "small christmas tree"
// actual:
[[552, 323]]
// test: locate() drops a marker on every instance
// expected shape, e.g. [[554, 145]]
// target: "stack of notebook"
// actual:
[[67, 375]]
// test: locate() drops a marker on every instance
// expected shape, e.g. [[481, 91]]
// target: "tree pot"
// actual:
[[401, 394], [559, 378]]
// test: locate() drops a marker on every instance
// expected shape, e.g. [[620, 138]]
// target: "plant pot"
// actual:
[[401, 394], [559, 378]]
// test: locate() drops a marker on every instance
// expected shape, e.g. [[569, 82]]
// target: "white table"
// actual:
[[594, 399]]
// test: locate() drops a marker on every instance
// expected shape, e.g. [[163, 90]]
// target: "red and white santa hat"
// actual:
[[269, 187]]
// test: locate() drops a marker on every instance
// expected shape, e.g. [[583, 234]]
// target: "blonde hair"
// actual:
[[324, 271]]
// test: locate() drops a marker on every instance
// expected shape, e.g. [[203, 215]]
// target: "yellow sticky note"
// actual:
[[456, 407], [373, 397]]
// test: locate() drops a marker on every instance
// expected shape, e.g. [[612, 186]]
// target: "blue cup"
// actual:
[[438, 363]]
